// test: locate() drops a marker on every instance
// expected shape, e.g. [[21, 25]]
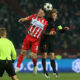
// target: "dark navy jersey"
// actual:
[[51, 38], [52, 24]]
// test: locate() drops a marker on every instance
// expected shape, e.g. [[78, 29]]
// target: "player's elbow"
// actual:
[[14, 56]]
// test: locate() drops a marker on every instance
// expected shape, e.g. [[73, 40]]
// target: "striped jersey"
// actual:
[[37, 25]]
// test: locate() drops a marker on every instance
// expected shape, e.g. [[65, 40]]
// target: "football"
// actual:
[[48, 6]]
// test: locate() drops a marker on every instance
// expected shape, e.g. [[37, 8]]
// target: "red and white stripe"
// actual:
[[36, 30]]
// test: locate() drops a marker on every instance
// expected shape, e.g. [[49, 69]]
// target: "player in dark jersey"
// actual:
[[47, 43]]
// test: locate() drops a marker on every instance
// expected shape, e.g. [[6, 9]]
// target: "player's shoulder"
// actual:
[[34, 15], [59, 19], [48, 18], [9, 41], [45, 20]]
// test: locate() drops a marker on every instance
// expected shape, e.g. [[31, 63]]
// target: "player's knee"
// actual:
[[44, 55], [52, 56], [33, 55], [23, 52]]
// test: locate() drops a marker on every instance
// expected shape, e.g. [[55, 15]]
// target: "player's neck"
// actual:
[[40, 17], [54, 20], [3, 36]]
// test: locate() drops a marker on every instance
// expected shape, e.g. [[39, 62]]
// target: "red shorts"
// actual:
[[30, 42]]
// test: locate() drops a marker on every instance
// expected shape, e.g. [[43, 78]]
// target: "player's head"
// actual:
[[53, 14], [41, 13], [3, 32]]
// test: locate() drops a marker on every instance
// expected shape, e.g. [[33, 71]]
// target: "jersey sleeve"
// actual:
[[30, 17], [62, 30], [13, 51]]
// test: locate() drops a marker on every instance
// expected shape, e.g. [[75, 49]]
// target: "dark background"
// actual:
[[67, 45]]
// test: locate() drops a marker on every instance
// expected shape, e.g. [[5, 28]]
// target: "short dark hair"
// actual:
[[2, 31]]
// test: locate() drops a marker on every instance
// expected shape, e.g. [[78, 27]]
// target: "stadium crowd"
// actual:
[[66, 45]]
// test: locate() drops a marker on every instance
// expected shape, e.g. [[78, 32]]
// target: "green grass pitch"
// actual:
[[40, 76]]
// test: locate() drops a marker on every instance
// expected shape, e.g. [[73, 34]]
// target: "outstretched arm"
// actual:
[[49, 33], [22, 19], [27, 18], [62, 30]]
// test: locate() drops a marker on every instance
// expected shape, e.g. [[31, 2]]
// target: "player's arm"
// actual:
[[26, 18], [49, 33], [62, 30], [23, 19], [13, 51], [66, 28], [46, 28]]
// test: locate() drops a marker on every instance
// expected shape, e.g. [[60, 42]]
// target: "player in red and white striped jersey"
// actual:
[[37, 26]]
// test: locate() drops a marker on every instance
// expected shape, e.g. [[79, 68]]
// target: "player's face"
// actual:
[[41, 13], [54, 16]]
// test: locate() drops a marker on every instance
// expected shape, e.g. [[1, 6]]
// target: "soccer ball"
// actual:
[[48, 6]]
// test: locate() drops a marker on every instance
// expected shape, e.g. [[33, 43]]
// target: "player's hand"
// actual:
[[67, 28], [52, 33], [21, 20]]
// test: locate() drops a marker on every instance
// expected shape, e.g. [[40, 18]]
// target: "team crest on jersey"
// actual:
[[37, 23]]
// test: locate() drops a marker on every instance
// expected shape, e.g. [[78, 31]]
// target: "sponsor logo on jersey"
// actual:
[[37, 23]]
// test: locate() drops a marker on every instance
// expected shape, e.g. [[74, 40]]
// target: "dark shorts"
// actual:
[[50, 45], [42, 44], [47, 45], [8, 67]]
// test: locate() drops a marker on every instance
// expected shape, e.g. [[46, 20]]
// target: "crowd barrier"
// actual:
[[62, 65]]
